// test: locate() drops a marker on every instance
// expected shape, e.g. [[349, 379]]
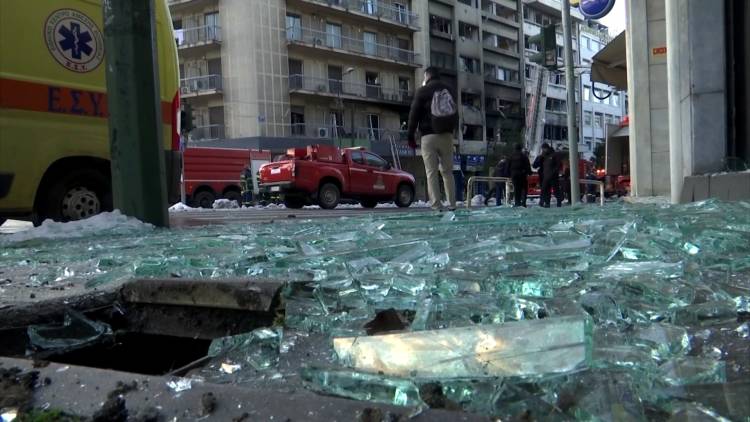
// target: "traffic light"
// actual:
[[186, 118], [547, 40]]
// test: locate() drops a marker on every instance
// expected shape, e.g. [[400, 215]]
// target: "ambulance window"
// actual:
[[357, 157]]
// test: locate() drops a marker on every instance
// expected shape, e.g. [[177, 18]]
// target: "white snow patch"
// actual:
[[111, 222], [180, 207], [225, 204]]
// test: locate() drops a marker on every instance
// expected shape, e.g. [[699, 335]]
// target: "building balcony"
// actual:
[[201, 36], [200, 85], [385, 11], [207, 133], [335, 88], [340, 44], [329, 131], [183, 5], [503, 13], [504, 81], [554, 8]]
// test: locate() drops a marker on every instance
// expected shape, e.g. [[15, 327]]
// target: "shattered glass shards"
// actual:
[[520, 348], [666, 289], [75, 332]]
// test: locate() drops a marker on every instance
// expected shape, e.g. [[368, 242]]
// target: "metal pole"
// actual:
[[571, 87], [135, 121]]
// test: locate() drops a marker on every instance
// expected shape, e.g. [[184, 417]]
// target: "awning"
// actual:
[[610, 64], [623, 132]]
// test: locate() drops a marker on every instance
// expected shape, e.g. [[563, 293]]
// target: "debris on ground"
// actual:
[[113, 410], [16, 390], [630, 311], [208, 403]]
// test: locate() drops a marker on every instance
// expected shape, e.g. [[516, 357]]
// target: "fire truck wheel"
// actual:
[[204, 199], [233, 195], [329, 196]]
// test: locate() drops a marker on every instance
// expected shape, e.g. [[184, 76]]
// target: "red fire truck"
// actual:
[[214, 173]]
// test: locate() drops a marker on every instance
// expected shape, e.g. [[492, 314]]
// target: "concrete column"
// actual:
[[676, 175]]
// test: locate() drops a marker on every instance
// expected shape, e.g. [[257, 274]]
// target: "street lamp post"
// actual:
[[570, 86]]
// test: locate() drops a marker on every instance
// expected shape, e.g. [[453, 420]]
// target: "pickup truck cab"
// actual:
[[323, 175]]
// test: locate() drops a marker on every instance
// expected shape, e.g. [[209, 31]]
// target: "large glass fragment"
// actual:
[[76, 332], [693, 370], [552, 345], [359, 386]]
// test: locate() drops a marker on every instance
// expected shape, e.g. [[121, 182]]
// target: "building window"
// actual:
[[370, 7], [293, 27], [557, 79], [587, 118], [373, 127], [470, 100], [441, 24], [615, 99], [468, 31], [525, 12], [531, 45], [442, 60], [400, 12], [371, 40], [372, 82], [598, 120], [297, 116], [559, 106], [588, 42], [468, 2], [403, 88], [586, 93], [468, 64], [528, 71], [333, 35], [296, 70]]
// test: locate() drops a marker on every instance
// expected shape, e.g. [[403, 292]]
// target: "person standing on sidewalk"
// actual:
[[519, 169], [435, 114]]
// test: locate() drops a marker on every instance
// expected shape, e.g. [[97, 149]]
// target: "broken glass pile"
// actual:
[[613, 313]]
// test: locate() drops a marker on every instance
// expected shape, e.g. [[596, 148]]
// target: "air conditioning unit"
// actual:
[[322, 132]]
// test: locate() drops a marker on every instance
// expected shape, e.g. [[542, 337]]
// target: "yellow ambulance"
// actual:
[[54, 145]]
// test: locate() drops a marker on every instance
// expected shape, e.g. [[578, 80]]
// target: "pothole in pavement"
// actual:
[[152, 327]]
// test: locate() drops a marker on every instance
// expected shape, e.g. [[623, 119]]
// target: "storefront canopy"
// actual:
[[610, 64]]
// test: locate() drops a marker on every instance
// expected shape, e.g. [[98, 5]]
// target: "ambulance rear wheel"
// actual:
[[77, 195]]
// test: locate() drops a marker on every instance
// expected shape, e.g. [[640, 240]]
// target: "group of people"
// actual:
[[435, 115]]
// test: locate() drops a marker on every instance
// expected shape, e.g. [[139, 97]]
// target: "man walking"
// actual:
[[519, 169], [549, 173], [435, 114], [500, 170]]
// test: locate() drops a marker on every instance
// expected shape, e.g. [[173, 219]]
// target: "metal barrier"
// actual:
[[597, 183], [475, 179], [508, 183]]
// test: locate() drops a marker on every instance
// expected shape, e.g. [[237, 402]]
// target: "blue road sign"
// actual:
[[596, 9]]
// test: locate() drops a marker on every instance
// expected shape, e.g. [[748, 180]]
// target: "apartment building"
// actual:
[[477, 46], [339, 71], [546, 93], [602, 105]]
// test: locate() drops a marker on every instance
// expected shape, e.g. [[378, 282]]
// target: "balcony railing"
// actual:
[[329, 131], [382, 9], [200, 84], [207, 133], [339, 87], [316, 38], [189, 37]]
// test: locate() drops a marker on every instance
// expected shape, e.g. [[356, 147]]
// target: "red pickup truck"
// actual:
[[323, 175]]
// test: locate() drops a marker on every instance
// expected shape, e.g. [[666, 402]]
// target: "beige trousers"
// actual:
[[437, 152]]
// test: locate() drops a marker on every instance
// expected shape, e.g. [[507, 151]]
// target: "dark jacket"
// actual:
[[501, 169], [420, 116], [518, 165], [548, 164]]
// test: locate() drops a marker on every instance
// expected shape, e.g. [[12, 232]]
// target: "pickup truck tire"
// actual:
[[294, 202], [329, 196], [204, 199], [368, 203], [404, 196]]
